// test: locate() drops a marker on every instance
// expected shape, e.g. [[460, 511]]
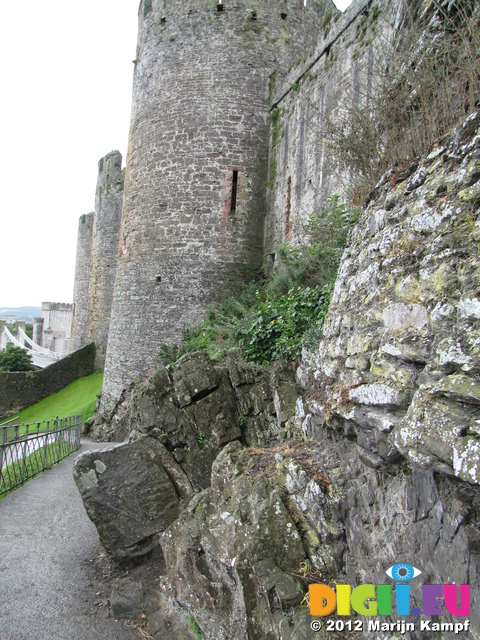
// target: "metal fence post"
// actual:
[[24, 458], [2, 456], [45, 447]]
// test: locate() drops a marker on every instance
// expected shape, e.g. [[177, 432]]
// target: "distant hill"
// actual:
[[27, 314]]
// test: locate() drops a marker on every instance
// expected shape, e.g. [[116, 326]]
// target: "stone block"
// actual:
[[377, 395], [194, 377], [466, 459], [126, 600], [129, 494], [460, 388], [401, 316]]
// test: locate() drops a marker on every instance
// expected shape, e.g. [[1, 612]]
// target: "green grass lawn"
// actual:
[[80, 397]]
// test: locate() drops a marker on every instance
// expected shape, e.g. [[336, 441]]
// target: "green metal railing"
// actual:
[[7, 430], [28, 449]]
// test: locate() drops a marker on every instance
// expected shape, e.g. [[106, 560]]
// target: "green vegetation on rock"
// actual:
[[193, 626], [275, 329]]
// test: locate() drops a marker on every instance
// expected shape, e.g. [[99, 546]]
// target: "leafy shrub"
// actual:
[[215, 334], [15, 359], [315, 264], [275, 329]]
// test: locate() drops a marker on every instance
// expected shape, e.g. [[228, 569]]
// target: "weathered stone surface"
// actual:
[[230, 556], [466, 459], [396, 399], [309, 169], [441, 427], [233, 560], [194, 377], [126, 600], [401, 316], [376, 394], [130, 495], [195, 430], [412, 352], [285, 395], [236, 400]]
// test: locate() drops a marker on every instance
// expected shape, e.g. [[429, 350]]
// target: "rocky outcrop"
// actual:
[[263, 489], [177, 423], [399, 362], [239, 558]]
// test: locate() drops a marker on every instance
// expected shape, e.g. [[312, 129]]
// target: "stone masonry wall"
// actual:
[[396, 374], [106, 231], [400, 358], [19, 390], [344, 69], [97, 251], [82, 282], [199, 124]]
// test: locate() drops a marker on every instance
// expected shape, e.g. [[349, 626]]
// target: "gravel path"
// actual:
[[47, 544]]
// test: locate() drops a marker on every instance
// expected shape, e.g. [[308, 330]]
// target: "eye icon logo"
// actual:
[[402, 572]]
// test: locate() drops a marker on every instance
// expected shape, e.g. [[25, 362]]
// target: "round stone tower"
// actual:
[[106, 230], [97, 251], [81, 285], [197, 164]]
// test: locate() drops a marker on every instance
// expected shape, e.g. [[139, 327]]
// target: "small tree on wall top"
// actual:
[[15, 359]]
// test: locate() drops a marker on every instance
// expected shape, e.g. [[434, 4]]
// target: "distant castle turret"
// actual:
[[97, 249]]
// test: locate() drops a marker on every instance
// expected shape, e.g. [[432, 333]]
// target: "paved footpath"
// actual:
[[46, 543]]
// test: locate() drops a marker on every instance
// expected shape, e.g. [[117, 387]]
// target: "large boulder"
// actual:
[[194, 414], [131, 492], [177, 423]]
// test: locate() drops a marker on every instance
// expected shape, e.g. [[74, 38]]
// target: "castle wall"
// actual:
[[57, 322], [106, 229], [81, 287], [199, 134], [339, 77], [97, 250], [21, 389]]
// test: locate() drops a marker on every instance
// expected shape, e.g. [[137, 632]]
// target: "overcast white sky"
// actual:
[[66, 77]]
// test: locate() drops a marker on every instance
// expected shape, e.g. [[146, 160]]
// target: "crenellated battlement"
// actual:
[[284, 8]]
